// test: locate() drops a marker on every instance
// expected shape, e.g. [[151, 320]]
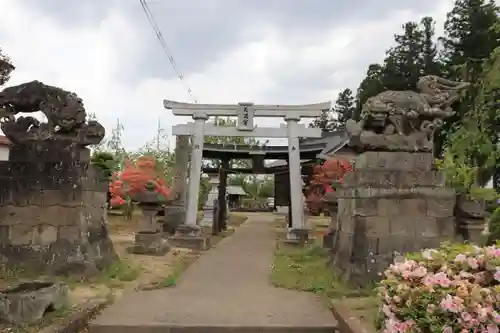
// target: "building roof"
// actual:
[[4, 141], [235, 190]]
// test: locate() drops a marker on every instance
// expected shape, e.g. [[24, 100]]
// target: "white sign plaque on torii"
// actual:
[[245, 112]]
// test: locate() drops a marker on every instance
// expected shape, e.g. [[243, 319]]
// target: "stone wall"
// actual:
[[391, 204], [53, 210]]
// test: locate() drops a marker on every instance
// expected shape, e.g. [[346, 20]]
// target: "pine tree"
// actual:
[[344, 108], [430, 62], [403, 64], [370, 86], [324, 121], [469, 38], [6, 68]]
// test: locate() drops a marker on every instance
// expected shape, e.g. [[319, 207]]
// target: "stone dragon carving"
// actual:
[[405, 120], [66, 116]]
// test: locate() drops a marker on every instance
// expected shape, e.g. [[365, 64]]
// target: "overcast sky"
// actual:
[[262, 51]]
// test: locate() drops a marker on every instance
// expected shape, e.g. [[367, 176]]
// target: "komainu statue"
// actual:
[[66, 116], [405, 120]]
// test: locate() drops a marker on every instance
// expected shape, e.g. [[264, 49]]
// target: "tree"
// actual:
[[370, 86], [474, 143], [344, 108], [6, 67], [266, 188], [403, 64], [324, 121], [471, 35], [430, 62]]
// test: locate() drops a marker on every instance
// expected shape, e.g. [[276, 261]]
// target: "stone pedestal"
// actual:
[[297, 237], [471, 219], [190, 238], [148, 221], [391, 204], [53, 210], [174, 217], [150, 243]]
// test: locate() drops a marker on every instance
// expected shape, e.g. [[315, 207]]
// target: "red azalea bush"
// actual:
[[326, 178], [136, 178]]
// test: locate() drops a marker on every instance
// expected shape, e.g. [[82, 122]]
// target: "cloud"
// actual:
[[229, 51]]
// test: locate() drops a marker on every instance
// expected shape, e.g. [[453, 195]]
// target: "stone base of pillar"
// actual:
[[174, 218], [282, 209], [297, 237], [190, 237], [150, 243], [185, 230]]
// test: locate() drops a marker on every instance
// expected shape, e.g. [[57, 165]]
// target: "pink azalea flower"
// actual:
[[451, 304], [460, 258], [492, 329], [442, 280], [496, 276], [472, 263]]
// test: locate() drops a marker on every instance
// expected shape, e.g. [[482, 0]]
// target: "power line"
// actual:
[[165, 48]]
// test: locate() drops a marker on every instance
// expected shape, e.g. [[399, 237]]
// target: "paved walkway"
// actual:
[[227, 287]]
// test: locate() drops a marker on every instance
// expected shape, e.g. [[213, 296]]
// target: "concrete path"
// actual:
[[226, 289]]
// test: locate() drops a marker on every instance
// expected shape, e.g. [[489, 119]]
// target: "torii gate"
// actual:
[[245, 127]]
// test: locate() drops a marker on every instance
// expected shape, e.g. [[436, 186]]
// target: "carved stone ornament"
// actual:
[[66, 116], [405, 120]]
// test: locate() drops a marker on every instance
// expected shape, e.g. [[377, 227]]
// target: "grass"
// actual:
[[119, 271], [307, 269], [178, 268]]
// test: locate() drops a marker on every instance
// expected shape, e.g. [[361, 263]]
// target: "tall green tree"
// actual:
[[344, 109], [324, 121], [6, 67], [370, 86], [471, 36], [403, 64]]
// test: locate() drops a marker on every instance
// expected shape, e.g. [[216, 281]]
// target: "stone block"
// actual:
[[413, 207], [297, 237], [69, 233], [441, 207], [388, 207], [150, 243], [28, 302], [44, 235], [20, 234], [372, 226], [365, 206], [446, 226], [394, 161], [4, 234], [426, 227], [196, 243], [402, 226]]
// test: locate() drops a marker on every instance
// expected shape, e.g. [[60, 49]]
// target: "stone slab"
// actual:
[[150, 244], [197, 243]]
